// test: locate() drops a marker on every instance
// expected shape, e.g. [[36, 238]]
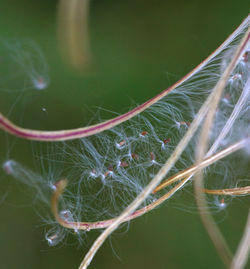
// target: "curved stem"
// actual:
[[208, 222], [64, 135], [61, 185]]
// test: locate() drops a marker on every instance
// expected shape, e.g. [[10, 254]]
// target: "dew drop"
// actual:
[[54, 236], [8, 167]]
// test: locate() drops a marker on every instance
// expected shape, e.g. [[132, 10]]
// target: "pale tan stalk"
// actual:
[[229, 192], [73, 32], [60, 186], [105, 223], [242, 253], [208, 222]]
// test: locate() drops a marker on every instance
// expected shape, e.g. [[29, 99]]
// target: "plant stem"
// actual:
[[64, 135], [206, 218]]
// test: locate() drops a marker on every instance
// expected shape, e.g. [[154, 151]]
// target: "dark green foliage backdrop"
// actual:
[[140, 48]]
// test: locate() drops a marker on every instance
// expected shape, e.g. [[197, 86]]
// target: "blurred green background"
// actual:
[[139, 49]]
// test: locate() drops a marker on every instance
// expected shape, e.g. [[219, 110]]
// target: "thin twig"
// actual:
[[60, 186], [64, 135], [231, 192], [208, 222], [73, 32], [242, 253]]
